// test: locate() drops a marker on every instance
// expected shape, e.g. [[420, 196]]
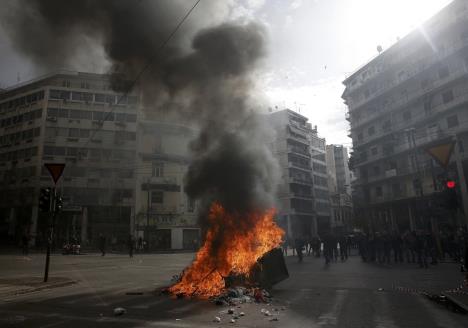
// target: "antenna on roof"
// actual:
[[379, 49]]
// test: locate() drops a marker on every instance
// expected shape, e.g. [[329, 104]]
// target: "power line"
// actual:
[[143, 70]]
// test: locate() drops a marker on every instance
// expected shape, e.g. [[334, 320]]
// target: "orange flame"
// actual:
[[229, 248]]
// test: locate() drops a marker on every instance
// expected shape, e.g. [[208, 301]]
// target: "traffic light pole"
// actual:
[[50, 238], [461, 178]]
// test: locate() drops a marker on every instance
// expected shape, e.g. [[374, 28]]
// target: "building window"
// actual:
[[407, 115], [158, 170], [376, 170], [452, 121], [157, 197], [359, 136], [427, 107], [443, 72], [447, 96], [378, 191], [371, 131], [374, 151]]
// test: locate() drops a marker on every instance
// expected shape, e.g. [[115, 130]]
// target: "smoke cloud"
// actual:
[[205, 74]]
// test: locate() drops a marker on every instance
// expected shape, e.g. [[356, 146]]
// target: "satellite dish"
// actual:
[[379, 48]]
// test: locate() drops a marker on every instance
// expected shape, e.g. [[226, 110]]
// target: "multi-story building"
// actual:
[[75, 119], [339, 178], [165, 216], [296, 213], [411, 97], [321, 185], [123, 167]]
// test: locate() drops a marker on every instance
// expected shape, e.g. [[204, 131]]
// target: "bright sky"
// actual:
[[314, 45]]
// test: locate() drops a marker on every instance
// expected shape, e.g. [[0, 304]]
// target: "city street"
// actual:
[[350, 294]]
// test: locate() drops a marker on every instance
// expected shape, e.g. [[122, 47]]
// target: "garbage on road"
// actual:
[[119, 311]]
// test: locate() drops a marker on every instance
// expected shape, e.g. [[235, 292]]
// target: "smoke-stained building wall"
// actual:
[[165, 216]]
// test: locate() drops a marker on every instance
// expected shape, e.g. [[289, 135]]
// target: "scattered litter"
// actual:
[[283, 308], [177, 319], [119, 311], [236, 317], [262, 310], [217, 319], [274, 319], [380, 289], [241, 295], [230, 311], [241, 314]]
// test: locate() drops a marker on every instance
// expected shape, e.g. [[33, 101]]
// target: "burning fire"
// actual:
[[229, 249]]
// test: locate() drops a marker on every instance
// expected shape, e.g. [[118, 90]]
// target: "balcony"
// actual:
[[298, 151]]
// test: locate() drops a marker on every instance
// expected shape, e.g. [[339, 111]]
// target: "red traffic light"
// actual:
[[450, 184]]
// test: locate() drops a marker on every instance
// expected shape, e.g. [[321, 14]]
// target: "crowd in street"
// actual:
[[419, 247]]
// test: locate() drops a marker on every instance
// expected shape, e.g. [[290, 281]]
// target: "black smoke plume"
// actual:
[[209, 80]]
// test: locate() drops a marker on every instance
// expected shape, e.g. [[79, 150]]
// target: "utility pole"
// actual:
[[461, 179]]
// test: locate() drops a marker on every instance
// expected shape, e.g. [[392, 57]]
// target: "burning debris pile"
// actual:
[[228, 251]]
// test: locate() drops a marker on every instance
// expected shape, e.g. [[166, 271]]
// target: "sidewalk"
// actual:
[[24, 285]]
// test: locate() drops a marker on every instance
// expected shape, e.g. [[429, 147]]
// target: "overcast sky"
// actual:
[[314, 44]]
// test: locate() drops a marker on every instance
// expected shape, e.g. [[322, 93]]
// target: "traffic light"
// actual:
[[450, 195], [44, 199], [58, 204]]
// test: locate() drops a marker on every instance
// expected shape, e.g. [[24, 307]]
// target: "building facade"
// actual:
[[123, 171], [412, 97], [321, 184], [165, 216], [75, 119], [339, 178], [296, 214]]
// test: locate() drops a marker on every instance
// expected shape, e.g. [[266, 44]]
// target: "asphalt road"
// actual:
[[350, 294]]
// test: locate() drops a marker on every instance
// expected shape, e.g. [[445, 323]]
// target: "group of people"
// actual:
[[421, 247], [330, 247]]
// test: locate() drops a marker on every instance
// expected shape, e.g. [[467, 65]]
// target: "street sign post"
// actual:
[[55, 171]]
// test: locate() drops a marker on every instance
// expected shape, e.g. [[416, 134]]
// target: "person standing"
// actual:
[[130, 245], [102, 244]]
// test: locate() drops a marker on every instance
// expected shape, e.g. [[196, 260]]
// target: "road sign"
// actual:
[[55, 170], [441, 152]]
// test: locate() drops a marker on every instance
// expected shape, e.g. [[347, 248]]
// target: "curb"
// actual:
[[39, 288]]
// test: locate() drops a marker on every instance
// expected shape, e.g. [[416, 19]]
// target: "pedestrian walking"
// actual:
[[102, 244], [397, 244], [299, 245], [130, 245], [343, 247]]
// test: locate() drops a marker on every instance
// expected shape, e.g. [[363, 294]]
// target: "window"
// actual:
[[374, 151], [52, 112], [447, 96], [359, 136], [84, 133], [74, 133], [407, 115], [443, 72], [376, 170], [120, 117], [378, 191], [97, 116], [158, 169], [131, 118], [427, 106], [452, 121], [157, 197], [86, 96], [99, 97], [371, 130], [76, 96], [63, 113], [110, 99]]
